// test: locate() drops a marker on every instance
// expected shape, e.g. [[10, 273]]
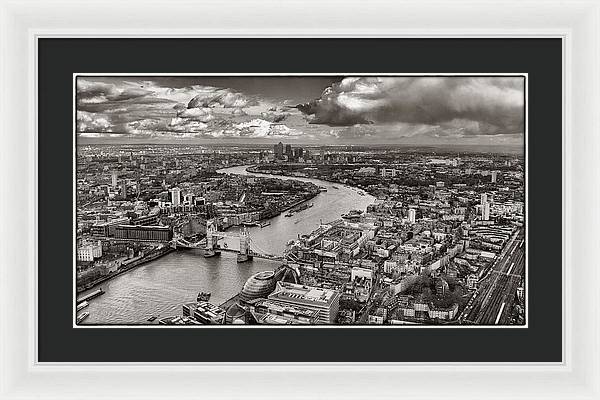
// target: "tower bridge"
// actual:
[[211, 247]]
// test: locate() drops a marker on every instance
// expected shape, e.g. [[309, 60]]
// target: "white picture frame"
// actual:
[[22, 23]]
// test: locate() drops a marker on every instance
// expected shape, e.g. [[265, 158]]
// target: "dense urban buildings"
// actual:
[[430, 248]]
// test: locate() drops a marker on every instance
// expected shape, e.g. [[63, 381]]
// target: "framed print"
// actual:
[[372, 206], [323, 206]]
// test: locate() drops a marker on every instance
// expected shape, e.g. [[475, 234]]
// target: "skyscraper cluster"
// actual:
[[290, 154]]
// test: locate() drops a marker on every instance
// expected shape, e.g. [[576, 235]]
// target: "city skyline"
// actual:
[[280, 235], [330, 110]]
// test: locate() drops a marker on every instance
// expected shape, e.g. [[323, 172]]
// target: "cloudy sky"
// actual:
[[332, 109]]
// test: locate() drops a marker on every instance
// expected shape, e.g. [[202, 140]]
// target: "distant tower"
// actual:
[[494, 176], [175, 196], [124, 189], [412, 215], [483, 198], [485, 207], [288, 151], [114, 176], [278, 150], [485, 212]]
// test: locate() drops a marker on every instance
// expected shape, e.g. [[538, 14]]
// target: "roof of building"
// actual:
[[306, 295], [259, 285]]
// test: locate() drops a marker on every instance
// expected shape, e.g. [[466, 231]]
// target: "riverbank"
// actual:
[[281, 210], [254, 169], [148, 258]]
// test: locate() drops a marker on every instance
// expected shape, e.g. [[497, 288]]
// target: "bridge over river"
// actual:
[[160, 287], [211, 246]]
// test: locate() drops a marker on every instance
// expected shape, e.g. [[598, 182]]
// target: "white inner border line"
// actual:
[[344, 74]]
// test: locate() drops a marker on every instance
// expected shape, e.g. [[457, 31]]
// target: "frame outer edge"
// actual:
[[582, 124]]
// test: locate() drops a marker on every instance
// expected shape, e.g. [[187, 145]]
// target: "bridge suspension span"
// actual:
[[210, 245]]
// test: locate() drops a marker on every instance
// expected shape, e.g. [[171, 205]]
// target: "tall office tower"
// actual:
[[175, 196], [483, 198], [114, 176], [124, 190], [494, 176], [278, 150], [412, 215], [288, 151], [485, 211]]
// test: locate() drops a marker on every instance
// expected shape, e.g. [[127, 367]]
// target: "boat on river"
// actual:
[[82, 305], [90, 296], [203, 296], [82, 316], [353, 214]]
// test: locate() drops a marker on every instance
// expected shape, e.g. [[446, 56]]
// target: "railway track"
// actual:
[[494, 300]]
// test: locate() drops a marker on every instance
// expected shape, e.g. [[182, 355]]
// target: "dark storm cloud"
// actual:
[[463, 105]]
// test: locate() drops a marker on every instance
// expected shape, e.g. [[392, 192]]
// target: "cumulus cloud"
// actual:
[[144, 108], [465, 105], [216, 97], [89, 122], [196, 114], [260, 128], [273, 115]]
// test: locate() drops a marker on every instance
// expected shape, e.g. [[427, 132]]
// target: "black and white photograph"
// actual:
[[379, 201]]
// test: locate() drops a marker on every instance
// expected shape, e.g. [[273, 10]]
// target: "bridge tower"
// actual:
[[211, 249], [245, 253]]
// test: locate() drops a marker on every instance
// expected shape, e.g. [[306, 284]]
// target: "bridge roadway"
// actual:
[[493, 301], [181, 243], [252, 254]]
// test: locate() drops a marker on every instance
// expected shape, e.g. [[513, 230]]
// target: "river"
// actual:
[[161, 286]]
